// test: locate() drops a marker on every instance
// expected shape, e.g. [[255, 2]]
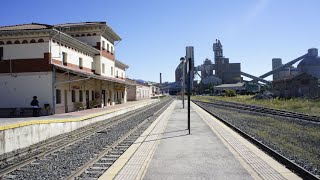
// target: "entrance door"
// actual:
[[66, 101], [104, 97], [87, 99]]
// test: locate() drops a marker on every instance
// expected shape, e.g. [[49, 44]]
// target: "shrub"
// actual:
[[230, 93]]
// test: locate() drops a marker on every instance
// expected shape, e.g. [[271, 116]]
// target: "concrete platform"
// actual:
[[17, 133], [212, 151]]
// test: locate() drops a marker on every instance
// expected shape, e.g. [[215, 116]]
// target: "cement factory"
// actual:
[[215, 78]]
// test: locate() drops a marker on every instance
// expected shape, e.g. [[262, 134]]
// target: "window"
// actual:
[[73, 96], [33, 41], [1, 53], [103, 45], [92, 95], [80, 63], [111, 49], [40, 40], [122, 94], [103, 68], [107, 47], [58, 96], [117, 73], [92, 65], [64, 58], [111, 71], [80, 95]]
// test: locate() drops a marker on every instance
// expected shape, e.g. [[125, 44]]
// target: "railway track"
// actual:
[[302, 172], [104, 136], [264, 110]]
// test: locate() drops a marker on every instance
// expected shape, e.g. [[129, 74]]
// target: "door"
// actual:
[[87, 99], [65, 101], [104, 97]]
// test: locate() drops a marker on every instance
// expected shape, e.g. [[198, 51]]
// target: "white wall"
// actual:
[[25, 51], [73, 56], [108, 64], [121, 72], [106, 44], [17, 92]]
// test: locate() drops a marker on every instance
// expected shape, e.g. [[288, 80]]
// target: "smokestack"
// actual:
[[160, 79]]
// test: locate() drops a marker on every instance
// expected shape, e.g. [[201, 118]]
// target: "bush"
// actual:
[[230, 93]]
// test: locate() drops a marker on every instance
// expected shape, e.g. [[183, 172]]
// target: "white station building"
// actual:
[[67, 66]]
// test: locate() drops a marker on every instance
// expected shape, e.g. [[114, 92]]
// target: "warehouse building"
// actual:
[[67, 66]]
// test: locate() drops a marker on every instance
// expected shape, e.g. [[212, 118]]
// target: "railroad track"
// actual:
[[28, 161], [302, 172], [264, 110]]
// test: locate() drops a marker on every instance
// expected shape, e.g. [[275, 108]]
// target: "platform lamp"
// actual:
[[183, 60]]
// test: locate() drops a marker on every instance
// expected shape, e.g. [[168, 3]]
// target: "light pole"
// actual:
[[183, 60]]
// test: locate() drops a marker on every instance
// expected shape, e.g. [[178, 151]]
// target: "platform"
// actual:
[[211, 151], [18, 133]]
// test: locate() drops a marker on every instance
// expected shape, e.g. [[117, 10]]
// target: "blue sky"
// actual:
[[155, 33]]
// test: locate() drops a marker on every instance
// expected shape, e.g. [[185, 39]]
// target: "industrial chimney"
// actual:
[[160, 79]]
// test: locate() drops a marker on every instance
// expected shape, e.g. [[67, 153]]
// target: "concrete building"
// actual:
[[283, 73], [228, 72], [138, 90], [68, 66], [300, 85]]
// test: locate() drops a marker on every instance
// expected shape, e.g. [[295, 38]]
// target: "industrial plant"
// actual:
[[221, 75]]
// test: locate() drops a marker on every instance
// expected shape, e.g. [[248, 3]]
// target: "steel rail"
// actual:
[[86, 166], [265, 110], [302, 172], [70, 139]]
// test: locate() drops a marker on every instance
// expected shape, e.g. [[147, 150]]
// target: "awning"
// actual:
[[89, 75]]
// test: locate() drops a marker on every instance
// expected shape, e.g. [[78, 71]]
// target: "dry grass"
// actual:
[[296, 105], [298, 140]]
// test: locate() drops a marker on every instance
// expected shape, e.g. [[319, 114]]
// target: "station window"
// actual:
[[80, 95], [111, 49], [111, 71], [64, 58], [108, 47], [1, 53], [73, 96], [103, 68], [103, 45], [92, 95], [117, 73], [80, 63], [58, 96]]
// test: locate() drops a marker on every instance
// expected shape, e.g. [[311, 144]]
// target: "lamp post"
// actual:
[[183, 60]]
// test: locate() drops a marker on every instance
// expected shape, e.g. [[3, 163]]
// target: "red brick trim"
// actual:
[[105, 53], [25, 65], [72, 66]]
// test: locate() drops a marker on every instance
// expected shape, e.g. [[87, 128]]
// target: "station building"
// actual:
[[67, 66]]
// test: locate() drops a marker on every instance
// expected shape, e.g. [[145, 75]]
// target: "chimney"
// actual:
[[160, 79]]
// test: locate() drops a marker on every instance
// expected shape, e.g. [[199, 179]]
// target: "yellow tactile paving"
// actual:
[[64, 120]]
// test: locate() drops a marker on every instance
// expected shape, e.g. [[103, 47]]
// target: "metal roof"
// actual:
[[109, 31], [94, 76], [240, 84], [31, 26]]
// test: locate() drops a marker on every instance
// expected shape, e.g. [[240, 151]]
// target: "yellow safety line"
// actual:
[[32, 122]]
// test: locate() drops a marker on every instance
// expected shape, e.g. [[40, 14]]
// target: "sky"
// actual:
[[155, 32]]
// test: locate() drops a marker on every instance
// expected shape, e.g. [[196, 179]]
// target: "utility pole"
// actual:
[[183, 60], [189, 90]]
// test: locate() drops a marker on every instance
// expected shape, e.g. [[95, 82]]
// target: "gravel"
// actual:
[[60, 164], [297, 140]]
